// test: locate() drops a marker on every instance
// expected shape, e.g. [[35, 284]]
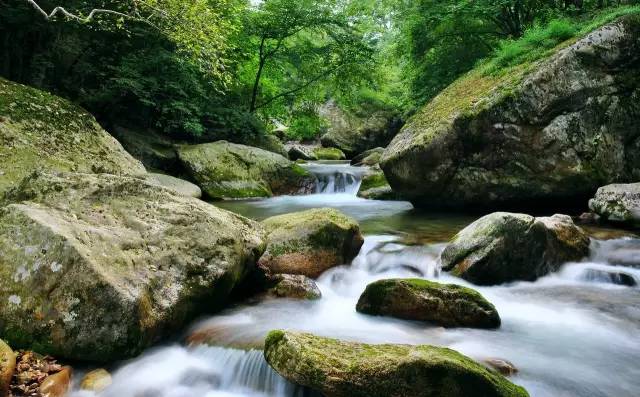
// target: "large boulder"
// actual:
[[504, 247], [99, 267], [42, 131], [347, 369], [177, 185], [355, 132], [618, 204], [310, 242], [227, 170], [447, 305], [536, 133]]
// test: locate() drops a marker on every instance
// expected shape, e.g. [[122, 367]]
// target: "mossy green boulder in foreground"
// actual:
[[618, 204], [227, 170], [347, 369], [42, 131], [310, 242], [552, 130], [504, 247], [99, 267], [446, 305]]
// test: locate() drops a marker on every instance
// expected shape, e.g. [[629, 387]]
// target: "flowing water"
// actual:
[[572, 333]]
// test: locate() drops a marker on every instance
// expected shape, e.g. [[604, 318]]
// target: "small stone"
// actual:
[[96, 380], [504, 367], [56, 385]]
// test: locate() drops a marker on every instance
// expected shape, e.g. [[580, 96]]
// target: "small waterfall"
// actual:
[[200, 371], [336, 177]]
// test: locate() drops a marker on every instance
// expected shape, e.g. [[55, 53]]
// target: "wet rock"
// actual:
[[99, 267], [446, 305], [96, 380], [504, 247], [552, 132], [32, 370], [369, 157], [56, 385], [617, 278], [374, 186], [7, 367], [298, 151], [310, 242], [294, 287], [504, 367], [42, 131], [225, 171], [618, 204], [588, 218], [177, 185], [329, 153], [356, 132], [347, 369]]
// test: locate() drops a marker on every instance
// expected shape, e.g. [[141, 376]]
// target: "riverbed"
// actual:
[[572, 333]]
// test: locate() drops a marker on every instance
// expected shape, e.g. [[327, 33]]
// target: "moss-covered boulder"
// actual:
[[541, 132], [42, 131], [369, 157], [7, 367], [347, 369], [329, 153], [310, 242], [354, 132], [99, 267], [298, 151], [618, 204], [226, 171], [293, 286], [447, 305], [374, 186], [176, 185], [503, 247]]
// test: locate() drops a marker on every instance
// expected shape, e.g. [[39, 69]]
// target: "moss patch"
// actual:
[[329, 153]]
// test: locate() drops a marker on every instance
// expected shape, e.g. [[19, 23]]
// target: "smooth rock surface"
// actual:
[[504, 247], [58, 384], [177, 185], [294, 286], [348, 369], [618, 204], [7, 367], [99, 267], [226, 171], [96, 380], [446, 305], [310, 242], [536, 134], [42, 131]]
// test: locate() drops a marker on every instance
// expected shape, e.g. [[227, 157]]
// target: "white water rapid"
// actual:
[[571, 334]]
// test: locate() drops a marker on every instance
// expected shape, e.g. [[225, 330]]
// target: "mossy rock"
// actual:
[[42, 131], [100, 267], [294, 286], [369, 157], [375, 187], [329, 153], [310, 242], [228, 171], [504, 247], [618, 204], [537, 133], [447, 305], [7, 367], [347, 369]]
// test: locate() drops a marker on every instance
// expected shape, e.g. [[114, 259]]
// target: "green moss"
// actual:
[[329, 154], [373, 181]]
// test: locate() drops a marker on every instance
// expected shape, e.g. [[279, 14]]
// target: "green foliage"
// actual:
[[306, 125]]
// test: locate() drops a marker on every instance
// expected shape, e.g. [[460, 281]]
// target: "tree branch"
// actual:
[[92, 13]]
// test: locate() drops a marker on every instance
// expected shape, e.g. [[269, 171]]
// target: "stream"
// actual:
[[572, 333]]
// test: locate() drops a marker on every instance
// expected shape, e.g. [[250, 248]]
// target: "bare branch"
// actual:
[[63, 11]]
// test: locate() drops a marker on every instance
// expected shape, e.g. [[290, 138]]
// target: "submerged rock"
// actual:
[[96, 380], [99, 267], [177, 185], [617, 278], [7, 367], [503, 247], [618, 204], [42, 131], [294, 286], [447, 305], [554, 130], [226, 170], [347, 369], [329, 153], [310, 242], [356, 132]]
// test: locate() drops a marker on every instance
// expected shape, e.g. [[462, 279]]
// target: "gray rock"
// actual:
[[504, 247], [618, 204], [99, 267], [298, 151], [176, 185], [538, 133], [294, 286]]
